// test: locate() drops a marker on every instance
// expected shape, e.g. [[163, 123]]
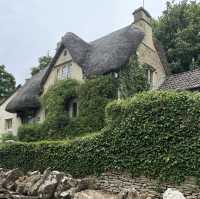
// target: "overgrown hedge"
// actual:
[[155, 134], [92, 96]]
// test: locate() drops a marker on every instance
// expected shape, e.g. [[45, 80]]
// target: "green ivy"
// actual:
[[93, 95], [133, 78], [156, 134]]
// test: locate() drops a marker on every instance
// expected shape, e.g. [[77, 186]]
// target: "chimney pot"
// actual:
[[142, 14]]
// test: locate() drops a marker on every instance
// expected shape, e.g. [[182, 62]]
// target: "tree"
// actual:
[[133, 78], [43, 63], [178, 29], [7, 83]]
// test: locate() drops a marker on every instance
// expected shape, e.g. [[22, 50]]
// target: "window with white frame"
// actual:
[[64, 72], [8, 124], [150, 75]]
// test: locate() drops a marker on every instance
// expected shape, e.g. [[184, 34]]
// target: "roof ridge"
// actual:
[[117, 30]]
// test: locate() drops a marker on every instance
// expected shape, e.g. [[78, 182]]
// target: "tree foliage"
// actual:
[[43, 63], [7, 82], [178, 29]]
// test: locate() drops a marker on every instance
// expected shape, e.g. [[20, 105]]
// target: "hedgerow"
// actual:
[[30, 133], [156, 134]]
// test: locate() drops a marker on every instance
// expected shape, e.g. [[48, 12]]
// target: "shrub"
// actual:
[[30, 133], [156, 134], [94, 95], [133, 78], [8, 136]]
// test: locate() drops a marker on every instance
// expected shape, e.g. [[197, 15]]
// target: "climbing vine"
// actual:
[[133, 78], [92, 97]]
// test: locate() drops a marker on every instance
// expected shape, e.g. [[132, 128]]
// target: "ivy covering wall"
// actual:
[[92, 97], [133, 78], [156, 134]]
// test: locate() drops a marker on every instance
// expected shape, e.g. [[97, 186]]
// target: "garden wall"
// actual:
[[117, 182]]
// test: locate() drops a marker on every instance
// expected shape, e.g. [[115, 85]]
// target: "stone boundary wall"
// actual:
[[14, 184], [116, 182]]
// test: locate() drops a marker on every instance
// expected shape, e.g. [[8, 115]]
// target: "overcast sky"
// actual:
[[31, 28]]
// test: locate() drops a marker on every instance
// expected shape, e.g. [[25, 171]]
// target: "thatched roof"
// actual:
[[104, 55], [183, 81], [4, 99], [112, 51], [99, 57], [27, 96]]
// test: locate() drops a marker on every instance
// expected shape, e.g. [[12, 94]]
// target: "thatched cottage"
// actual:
[[9, 122], [80, 60]]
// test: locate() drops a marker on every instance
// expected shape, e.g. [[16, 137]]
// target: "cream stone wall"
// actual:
[[76, 71], [4, 115], [147, 54]]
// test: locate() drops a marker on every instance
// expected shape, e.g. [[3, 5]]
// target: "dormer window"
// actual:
[[64, 72]]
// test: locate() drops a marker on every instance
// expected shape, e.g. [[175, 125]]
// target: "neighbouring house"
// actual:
[[183, 81], [9, 122], [80, 60]]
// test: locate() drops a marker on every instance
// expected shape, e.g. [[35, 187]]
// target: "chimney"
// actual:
[[142, 15], [143, 20]]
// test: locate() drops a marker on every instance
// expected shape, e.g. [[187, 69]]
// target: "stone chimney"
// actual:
[[143, 20]]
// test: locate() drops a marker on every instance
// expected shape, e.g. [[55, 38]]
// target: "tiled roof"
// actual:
[[183, 81]]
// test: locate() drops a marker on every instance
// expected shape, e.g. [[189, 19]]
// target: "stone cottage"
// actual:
[[9, 122], [80, 60]]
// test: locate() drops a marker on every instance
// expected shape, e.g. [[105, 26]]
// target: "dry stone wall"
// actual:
[[117, 182], [57, 185]]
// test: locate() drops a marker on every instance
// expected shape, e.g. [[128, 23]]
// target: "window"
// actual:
[[64, 72], [8, 124], [150, 75], [73, 108]]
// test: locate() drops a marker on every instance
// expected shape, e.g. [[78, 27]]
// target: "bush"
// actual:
[[8, 136], [30, 133], [156, 134], [94, 95]]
